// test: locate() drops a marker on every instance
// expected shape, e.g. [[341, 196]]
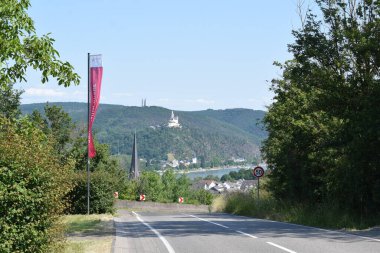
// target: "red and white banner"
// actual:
[[96, 73]]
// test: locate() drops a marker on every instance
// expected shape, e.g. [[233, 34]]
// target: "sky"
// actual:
[[183, 55]]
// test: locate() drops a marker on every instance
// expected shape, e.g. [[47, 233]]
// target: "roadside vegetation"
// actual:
[[326, 215], [166, 188], [88, 233]]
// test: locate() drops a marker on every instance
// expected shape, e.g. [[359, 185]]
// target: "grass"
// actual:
[[323, 215], [89, 233], [89, 246]]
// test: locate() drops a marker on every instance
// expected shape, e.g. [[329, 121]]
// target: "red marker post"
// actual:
[[258, 172]]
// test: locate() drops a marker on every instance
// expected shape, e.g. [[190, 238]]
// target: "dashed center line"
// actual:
[[252, 236], [240, 232], [166, 243], [281, 247], [220, 225]]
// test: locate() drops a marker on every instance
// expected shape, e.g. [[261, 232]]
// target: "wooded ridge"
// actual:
[[214, 135]]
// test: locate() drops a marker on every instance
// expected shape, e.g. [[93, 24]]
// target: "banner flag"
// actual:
[[96, 74]]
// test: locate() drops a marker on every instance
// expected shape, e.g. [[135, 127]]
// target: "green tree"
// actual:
[[323, 125], [10, 101], [182, 187], [60, 125], [150, 184], [39, 121], [169, 180], [22, 48]]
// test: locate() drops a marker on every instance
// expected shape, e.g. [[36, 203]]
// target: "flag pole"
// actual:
[[88, 133]]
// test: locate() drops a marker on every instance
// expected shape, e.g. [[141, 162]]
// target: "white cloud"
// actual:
[[42, 92]]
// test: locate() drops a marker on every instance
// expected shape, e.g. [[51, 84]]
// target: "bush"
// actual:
[[33, 183], [102, 186], [150, 184], [203, 197]]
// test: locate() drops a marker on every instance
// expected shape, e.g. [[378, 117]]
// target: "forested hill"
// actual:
[[213, 134]]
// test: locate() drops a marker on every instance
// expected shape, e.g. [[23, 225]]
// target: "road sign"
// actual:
[[142, 197], [258, 171], [116, 195], [180, 200]]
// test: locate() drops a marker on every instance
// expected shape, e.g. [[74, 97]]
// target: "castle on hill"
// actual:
[[173, 122]]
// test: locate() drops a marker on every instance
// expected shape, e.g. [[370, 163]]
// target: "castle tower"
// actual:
[[173, 121]]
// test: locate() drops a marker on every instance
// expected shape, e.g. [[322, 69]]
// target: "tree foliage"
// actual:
[[324, 124], [10, 101], [22, 48]]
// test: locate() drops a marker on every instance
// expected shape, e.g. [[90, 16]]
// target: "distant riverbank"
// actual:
[[215, 171]]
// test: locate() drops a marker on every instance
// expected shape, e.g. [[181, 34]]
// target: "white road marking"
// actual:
[[245, 218], [280, 247], [252, 236], [166, 243], [220, 225]]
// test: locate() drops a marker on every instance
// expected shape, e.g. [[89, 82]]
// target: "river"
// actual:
[[214, 172]]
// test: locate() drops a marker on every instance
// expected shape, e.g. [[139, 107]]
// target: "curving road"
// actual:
[[188, 232]]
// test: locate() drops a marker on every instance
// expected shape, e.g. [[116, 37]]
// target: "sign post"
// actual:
[[258, 172]]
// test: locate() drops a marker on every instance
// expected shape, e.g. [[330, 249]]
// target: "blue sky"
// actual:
[[180, 54]]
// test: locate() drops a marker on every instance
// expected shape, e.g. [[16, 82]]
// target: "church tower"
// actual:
[[134, 170]]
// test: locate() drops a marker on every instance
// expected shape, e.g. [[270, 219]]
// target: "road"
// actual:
[[188, 232]]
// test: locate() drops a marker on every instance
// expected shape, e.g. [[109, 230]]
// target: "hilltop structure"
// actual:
[[143, 102], [173, 122], [134, 170]]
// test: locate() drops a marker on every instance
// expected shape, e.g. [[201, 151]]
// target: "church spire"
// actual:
[[134, 170]]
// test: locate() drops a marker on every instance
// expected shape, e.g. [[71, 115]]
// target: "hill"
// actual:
[[213, 135]]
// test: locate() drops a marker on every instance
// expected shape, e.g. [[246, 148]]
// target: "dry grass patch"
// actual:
[[89, 233]]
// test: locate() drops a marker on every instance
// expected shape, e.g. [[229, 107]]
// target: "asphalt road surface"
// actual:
[[188, 232]]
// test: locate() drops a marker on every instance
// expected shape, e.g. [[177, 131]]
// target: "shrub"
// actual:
[[203, 197], [33, 183], [102, 186], [150, 184]]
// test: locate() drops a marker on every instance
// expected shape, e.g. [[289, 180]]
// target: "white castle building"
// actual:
[[173, 122]]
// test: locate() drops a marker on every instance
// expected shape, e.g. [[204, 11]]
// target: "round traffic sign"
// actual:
[[258, 171]]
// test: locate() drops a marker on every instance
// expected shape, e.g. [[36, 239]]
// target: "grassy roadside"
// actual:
[[88, 233], [323, 216]]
